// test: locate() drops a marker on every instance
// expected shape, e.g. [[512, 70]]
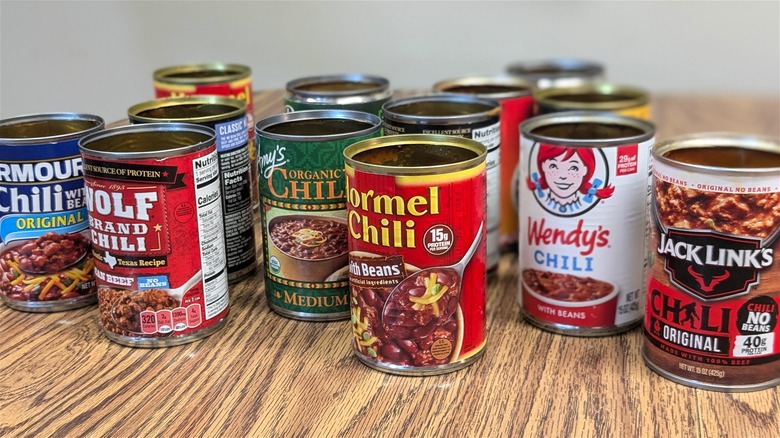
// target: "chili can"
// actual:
[[355, 92], [416, 261], [558, 72], [517, 105], [227, 118], [582, 215], [45, 263], [219, 79], [304, 209], [619, 99], [714, 281], [462, 116], [155, 215]]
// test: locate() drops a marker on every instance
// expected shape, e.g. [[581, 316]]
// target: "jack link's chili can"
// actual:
[[155, 215], [355, 92], [714, 282], [218, 79], [45, 263], [227, 117], [461, 116], [618, 99], [304, 209], [416, 215], [558, 72], [583, 211], [517, 105]]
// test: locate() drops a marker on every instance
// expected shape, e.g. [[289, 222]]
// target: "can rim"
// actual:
[[382, 84], [239, 109], [148, 127], [493, 109], [718, 139], [566, 68], [62, 116], [647, 128], [635, 97], [236, 72], [523, 87], [262, 125]]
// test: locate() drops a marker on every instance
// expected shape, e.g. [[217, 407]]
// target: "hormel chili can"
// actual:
[[462, 116], [583, 207], [155, 216], [558, 72], [714, 282], [304, 209], [227, 118], [354, 92], [417, 236], [218, 79], [618, 99], [45, 262], [517, 104]]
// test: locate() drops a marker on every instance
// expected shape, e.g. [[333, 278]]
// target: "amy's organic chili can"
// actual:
[[462, 116], [416, 219], [45, 262], [227, 117], [517, 104], [558, 72], [714, 282], [618, 99], [218, 79], [583, 211], [155, 216], [304, 209], [355, 92]]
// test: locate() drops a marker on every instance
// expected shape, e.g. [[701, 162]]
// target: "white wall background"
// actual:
[[98, 57]]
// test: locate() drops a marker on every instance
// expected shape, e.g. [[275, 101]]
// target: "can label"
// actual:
[[513, 112], [582, 228], [714, 286], [412, 306], [157, 238]]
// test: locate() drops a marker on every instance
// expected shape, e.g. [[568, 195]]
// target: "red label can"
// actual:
[[417, 262], [155, 216]]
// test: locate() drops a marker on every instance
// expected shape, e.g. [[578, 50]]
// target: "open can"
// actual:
[[354, 92]]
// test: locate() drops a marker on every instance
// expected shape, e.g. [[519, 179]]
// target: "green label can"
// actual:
[[303, 209], [354, 92]]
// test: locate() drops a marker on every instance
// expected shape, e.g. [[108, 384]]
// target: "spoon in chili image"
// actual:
[[426, 299]]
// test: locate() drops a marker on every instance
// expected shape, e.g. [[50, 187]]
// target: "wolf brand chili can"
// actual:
[[416, 216], [583, 212], [218, 79], [155, 215], [560, 72], [462, 116], [45, 263], [619, 99], [517, 104], [304, 209], [356, 92], [714, 282], [227, 117]]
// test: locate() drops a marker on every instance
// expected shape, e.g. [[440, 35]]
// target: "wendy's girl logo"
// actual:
[[568, 181]]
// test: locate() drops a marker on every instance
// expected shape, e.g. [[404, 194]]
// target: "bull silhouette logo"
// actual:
[[714, 280]]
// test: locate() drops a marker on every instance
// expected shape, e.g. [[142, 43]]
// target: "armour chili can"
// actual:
[[354, 92], [619, 99], [714, 280], [583, 208]]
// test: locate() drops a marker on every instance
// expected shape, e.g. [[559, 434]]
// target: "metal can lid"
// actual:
[[208, 73], [555, 68], [151, 140], [587, 128], [596, 96], [188, 109], [491, 87], [318, 125], [441, 109], [47, 128], [733, 159]]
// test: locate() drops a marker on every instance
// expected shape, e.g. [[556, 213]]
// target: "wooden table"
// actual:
[[265, 375]]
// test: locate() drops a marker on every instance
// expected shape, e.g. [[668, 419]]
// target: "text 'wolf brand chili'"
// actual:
[[45, 263], [155, 216], [304, 209], [460, 116], [583, 213], [416, 221], [559, 72], [354, 92], [227, 118], [714, 284], [618, 99], [517, 104]]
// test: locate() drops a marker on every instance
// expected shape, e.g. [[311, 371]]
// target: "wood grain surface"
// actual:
[[265, 375]]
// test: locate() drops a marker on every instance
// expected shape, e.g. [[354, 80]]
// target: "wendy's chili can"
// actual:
[[355, 92], [45, 262], [558, 72], [303, 210], [583, 211], [618, 99], [227, 118], [155, 214], [217, 79], [462, 116], [517, 105], [714, 280], [416, 260]]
